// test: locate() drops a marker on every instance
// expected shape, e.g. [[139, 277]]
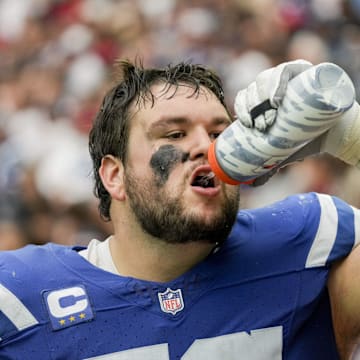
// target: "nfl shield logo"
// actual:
[[171, 301]]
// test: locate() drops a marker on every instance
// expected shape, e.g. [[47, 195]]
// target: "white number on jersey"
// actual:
[[261, 344]]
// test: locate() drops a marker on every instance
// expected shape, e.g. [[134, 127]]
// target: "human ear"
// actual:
[[112, 176]]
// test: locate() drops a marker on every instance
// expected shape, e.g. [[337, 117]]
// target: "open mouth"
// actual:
[[204, 177], [205, 180]]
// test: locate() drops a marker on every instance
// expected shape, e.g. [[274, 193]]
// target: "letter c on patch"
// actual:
[[76, 294]]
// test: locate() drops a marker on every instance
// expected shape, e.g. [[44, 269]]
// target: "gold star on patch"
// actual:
[[82, 316], [72, 318], [62, 322]]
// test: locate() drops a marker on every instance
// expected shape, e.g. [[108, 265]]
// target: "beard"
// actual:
[[166, 218]]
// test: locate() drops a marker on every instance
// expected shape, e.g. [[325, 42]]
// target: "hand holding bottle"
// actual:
[[286, 115]]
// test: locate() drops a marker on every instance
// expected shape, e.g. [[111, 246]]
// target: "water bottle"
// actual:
[[314, 101]]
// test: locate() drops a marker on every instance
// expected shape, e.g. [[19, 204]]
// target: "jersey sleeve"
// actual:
[[302, 231], [337, 233], [17, 313]]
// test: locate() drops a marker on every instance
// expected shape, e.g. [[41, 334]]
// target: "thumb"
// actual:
[[282, 74]]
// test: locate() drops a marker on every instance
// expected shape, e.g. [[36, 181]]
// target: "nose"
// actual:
[[200, 144]]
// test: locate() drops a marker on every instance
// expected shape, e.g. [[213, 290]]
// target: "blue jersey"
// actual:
[[262, 295]]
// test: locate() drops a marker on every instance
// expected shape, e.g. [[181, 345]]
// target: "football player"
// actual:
[[186, 275]]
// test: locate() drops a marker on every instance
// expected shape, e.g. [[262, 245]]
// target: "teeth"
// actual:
[[206, 174]]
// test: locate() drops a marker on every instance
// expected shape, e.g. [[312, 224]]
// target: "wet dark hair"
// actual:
[[109, 134]]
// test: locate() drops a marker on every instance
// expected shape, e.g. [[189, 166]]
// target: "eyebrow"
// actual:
[[164, 123]]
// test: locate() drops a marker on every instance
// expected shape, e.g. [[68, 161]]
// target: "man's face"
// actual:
[[166, 168]]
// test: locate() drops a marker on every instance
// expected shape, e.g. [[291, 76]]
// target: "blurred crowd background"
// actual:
[[56, 62]]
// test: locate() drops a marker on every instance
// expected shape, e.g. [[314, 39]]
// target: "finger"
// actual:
[[270, 117], [260, 123], [255, 106], [260, 109], [252, 97], [241, 110], [281, 76], [263, 84]]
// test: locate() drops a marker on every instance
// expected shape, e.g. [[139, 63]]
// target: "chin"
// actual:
[[206, 214]]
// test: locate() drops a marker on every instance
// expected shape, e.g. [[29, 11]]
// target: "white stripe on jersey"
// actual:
[[15, 310], [326, 233], [357, 225]]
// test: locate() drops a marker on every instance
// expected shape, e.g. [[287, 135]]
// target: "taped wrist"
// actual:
[[343, 140]]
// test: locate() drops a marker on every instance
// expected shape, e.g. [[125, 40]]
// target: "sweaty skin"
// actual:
[[164, 160]]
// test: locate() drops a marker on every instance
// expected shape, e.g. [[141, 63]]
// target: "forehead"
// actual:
[[179, 101]]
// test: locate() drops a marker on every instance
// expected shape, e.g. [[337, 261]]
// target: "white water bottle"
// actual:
[[314, 101]]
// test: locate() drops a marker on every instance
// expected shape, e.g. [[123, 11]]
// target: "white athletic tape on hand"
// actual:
[[343, 140]]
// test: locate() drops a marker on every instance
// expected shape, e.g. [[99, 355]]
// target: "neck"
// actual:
[[155, 260]]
